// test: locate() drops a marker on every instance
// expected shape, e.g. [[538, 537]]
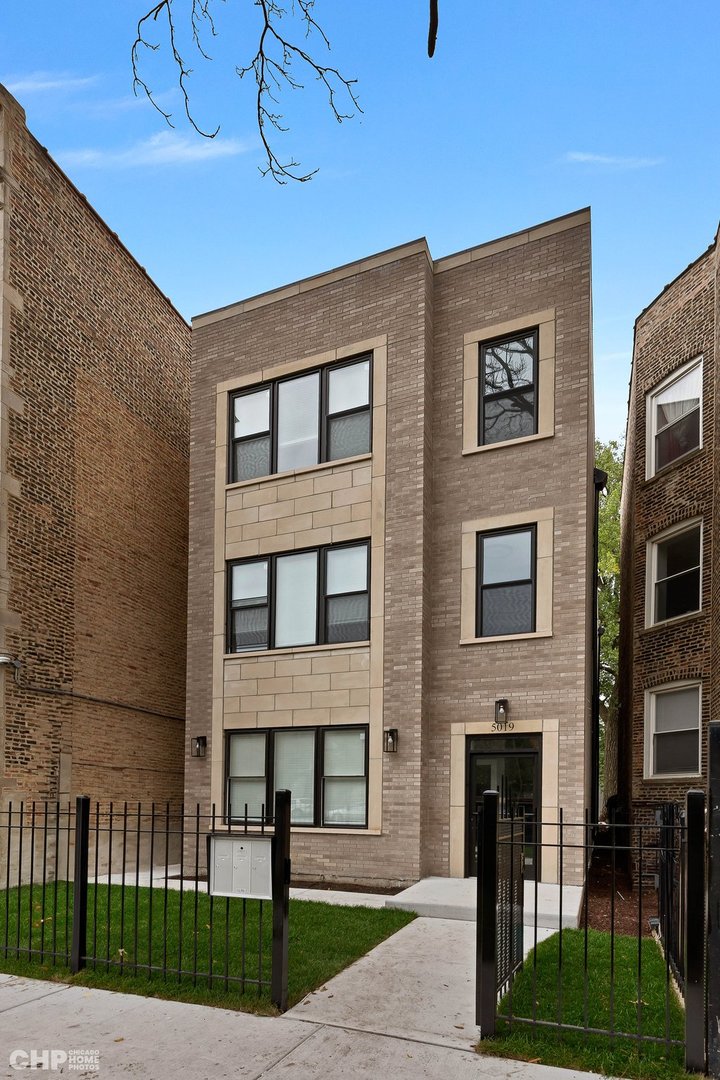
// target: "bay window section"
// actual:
[[672, 731], [302, 420], [315, 597], [675, 562], [325, 769]]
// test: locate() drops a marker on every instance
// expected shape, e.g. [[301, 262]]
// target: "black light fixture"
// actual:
[[390, 740], [198, 746], [502, 710]]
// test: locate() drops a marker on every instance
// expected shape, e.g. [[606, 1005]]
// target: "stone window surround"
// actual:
[[378, 346], [650, 571], [549, 767], [544, 385], [648, 718], [677, 373], [542, 519]]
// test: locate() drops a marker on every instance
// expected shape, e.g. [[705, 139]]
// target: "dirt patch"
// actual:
[[628, 915]]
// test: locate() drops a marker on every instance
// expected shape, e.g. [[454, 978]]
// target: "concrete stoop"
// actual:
[[456, 898]]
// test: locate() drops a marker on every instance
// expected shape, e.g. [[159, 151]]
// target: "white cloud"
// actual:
[[165, 148], [579, 157], [38, 82]]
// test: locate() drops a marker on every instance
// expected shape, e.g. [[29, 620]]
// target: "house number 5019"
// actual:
[[503, 725]]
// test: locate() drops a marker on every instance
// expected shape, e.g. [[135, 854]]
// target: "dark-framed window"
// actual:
[[325, 769], [676, 561], [506, 582], [323, 414], [508, 387], [316, 596]]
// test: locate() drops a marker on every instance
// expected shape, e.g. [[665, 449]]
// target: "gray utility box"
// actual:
[[240, 866]]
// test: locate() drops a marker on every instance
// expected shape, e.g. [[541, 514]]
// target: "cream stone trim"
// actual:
[[549, 784], [366, 502], [545, 384], [543, 520]]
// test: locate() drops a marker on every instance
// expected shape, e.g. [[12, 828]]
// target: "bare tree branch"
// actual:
[[272, 67], [433, 27]]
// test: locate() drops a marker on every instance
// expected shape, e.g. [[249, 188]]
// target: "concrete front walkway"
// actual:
[[456, 898], [160, 1040]]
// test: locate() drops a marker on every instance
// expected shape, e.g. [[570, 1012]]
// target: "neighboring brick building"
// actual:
[[94, 394], [670, 602], [391, 503]]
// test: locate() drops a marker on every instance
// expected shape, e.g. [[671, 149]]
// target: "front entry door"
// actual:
[[510, 765]]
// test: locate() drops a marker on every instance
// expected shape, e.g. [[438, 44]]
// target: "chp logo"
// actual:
[[55, 1060]]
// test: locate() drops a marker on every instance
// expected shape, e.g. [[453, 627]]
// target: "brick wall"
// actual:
[[94, 473], [678, 326]]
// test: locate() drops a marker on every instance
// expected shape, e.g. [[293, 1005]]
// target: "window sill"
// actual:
[[290, 474], [506, 637], [672, 777], [676, 464], [293, 650], [687, 617], [508, 442]]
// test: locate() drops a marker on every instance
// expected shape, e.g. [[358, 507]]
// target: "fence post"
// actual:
[[486, 948], [713, 902], [694, 932], [78, 947], [281, 899]]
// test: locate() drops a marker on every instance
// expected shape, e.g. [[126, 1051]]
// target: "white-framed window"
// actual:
[[673, 730], [674, 417], [674, 573]]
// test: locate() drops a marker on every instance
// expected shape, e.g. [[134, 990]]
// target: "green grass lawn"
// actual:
[[323, 939], [536, 991]]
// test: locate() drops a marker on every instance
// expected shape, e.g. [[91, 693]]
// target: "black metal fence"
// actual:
[[585, 979], [126, 888], [670, 819]]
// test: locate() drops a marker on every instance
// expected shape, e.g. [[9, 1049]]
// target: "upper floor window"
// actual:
[[674, 573], [508, 392], [674, 415], [314, 597], [672, 731], [506, 582], [302, 420]]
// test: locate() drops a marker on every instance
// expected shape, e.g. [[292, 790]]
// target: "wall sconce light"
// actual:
[[502, 715], [390, 740], [198, 746]]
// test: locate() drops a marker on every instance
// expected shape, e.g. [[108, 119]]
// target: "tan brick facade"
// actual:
[[93, 498], [422, 672], [679, 327]]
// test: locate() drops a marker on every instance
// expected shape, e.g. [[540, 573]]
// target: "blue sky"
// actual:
[[529, 110]]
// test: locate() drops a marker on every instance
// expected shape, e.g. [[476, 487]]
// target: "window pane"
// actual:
[[252, 792], [346, 569], [344, 802], [249, 629], [678, 553], [296, 599], [247, 754], [349, 387], [678, 439], [509, 417], [677, 596], [677, 709], [508, 364], [347, 618], [251, 458], [249, 582], [298, 404], [344, 752], [295, 770], [251, 413], [348, 435], [507, 610], [681, 397], [506, 557], [676, 752]]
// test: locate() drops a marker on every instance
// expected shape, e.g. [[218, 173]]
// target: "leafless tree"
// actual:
[[277, 65]]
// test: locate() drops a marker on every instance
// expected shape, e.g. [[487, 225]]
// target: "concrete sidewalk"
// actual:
[[406, 1008]]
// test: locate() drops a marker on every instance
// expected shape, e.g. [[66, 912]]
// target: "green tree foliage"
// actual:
[[609, 458]]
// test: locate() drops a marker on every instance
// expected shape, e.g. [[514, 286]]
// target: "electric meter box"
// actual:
[[240, 866]]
